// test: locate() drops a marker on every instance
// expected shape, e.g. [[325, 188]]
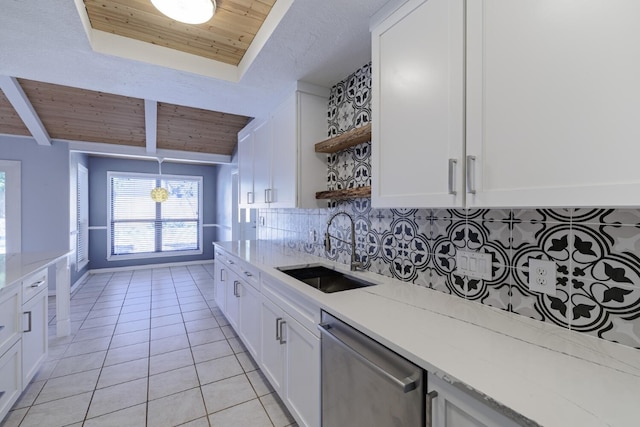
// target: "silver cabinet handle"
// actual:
[[452, 176], [248, 274], [29, 327], [278, 331], [471, 174], [282, 340], [235, 289], [230, 262], [429, 408], [222, 275], [406, 384], [38, 283]]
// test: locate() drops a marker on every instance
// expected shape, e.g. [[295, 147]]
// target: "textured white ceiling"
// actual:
[[318, 41]]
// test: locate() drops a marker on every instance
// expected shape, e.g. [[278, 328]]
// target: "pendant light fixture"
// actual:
[[159, 194], [187, 11]]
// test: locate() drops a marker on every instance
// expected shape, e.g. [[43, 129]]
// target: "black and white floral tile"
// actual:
[[597, 251], [350, 108]]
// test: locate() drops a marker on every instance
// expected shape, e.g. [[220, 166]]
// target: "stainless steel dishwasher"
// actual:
[[365, 383]]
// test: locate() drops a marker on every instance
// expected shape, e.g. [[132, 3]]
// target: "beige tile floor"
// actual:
[[148, 348]]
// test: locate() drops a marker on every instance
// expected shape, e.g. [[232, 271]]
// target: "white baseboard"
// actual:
[[148, 266]]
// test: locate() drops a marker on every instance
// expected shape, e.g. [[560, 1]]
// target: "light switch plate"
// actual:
[[474, 264], [542, 276]]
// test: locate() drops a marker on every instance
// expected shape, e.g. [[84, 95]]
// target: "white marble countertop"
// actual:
[[548, 374], [16, 266]]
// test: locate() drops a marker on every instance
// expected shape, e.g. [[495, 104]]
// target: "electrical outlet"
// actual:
[[313, 236], [262, 221], [542, 276], [474, 264]]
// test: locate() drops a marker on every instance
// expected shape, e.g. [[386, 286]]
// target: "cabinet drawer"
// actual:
[[298, 307], [34, 284], [10, 308], [10, 379], [244, 270]]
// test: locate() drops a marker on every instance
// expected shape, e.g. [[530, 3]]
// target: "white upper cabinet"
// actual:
[[245, 167], [553, 100], [278, 153], [551, 96], [418, 106]]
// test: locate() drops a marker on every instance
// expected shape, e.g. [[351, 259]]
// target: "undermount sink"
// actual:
[[325, 279]]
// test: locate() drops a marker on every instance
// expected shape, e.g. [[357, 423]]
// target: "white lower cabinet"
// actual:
[[272, 360], [291, 362], [10, 378], [220, 275], [302, 373], [232, 300], [452, 407], [249, 318], [34, 334]]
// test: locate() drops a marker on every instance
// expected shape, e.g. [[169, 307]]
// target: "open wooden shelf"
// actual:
[[348, 139], [349, 193]]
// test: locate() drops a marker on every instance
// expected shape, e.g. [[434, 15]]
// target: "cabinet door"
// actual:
[[10, 310], [34, 335], [10, 378], [220, 274], [553, 96], [262, 164], [232, 300], [453, 407], [418, 93], [250, 328], [302, 373], [272, 357], [284, 154], [245, 170]]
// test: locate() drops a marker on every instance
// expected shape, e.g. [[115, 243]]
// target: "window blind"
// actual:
[[82, 207], [138, 225]]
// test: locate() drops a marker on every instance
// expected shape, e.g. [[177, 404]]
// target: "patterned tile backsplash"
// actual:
[[597, 251]]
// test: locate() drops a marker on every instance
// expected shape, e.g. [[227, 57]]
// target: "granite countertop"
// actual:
[[16, 266], [549, 375]]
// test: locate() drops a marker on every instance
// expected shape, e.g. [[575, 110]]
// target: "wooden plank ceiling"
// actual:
[[10, 121], [193, 129], [85, 115], [74, 114], [225, 38]]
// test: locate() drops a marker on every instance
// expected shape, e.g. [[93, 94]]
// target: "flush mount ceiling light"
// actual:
[[187, 11]]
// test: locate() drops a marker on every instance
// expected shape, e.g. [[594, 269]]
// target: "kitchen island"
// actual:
[[15, 267], [536, 373]]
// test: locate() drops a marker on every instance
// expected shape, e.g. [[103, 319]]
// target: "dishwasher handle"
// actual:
[[406, 384]]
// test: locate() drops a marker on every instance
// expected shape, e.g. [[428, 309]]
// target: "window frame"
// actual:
[[151, 255]]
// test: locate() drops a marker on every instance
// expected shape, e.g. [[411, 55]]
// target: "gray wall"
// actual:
[[45, 192], [98, 168]]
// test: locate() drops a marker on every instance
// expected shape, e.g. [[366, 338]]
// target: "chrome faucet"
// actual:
[[355, 265]]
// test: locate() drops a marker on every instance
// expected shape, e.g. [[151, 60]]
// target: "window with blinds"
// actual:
[[82, 210], [138, 227]]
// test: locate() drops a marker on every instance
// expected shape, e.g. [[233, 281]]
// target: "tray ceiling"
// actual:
[[225, 38], [136, 29], [74, 114]]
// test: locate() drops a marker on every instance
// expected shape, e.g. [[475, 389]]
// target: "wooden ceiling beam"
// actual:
[[151, 124], [16, 96]]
